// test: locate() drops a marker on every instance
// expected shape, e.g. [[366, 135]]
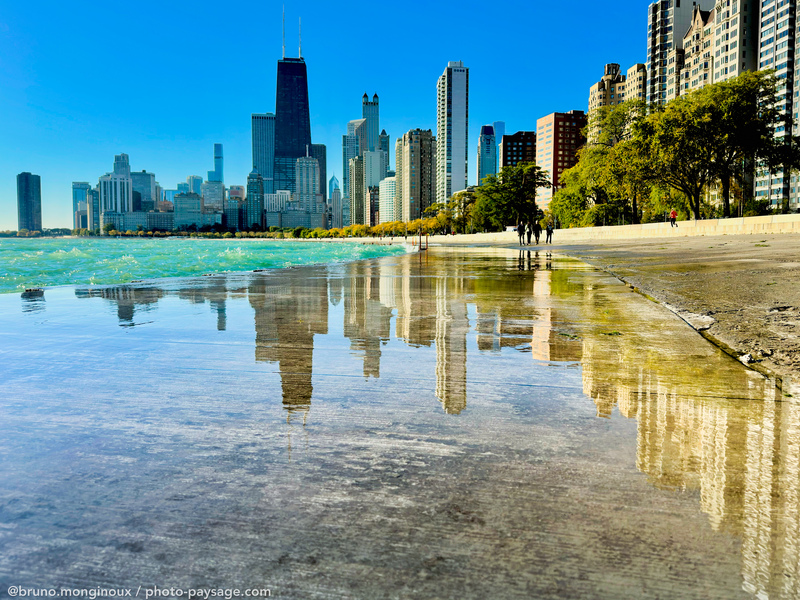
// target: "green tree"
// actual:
[[510, 196]]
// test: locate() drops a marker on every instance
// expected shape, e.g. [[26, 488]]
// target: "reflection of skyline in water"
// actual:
[[430, 306], [741, 455]]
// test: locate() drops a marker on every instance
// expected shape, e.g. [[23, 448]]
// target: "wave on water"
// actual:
[[38, 262]]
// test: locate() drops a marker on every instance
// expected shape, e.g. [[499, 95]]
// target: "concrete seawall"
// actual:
[[769, 224]]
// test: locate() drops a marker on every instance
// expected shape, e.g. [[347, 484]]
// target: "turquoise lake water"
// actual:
[[40, 262]]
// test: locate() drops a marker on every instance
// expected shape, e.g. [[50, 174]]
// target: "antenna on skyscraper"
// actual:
[[300, 37], [284, 31]]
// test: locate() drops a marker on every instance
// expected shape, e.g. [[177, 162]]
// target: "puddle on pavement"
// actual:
[[453, 422]]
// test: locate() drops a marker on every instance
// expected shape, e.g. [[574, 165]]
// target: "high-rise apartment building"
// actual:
[[777, 50], [374, 173], [213, 193], [254, 202], [357, 191], [81, 202], [216, 174], [387, 194], [614, 88], [667, 21], [370, 111], [93, 209], [383, 144], [319, 152], [262, 128], [292, 121], [116, 190], [452, 130], [354, 143], [29, 202], [336, 208], [558, 138], [415, 167], [517, 148], [487, 153], [308, 195]]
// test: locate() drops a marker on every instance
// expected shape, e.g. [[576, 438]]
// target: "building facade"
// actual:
[[452, 130], [387, 194], [667, 21], [357, 191], [29, 202], [559, 136], [307, 195], [116, 189], [81, 202], [370, 112], [143, 185], [292, 121], [354, 143], [487, 153], [253, 217], [518, 147], [320, 152], [262, 127], [415, 179]]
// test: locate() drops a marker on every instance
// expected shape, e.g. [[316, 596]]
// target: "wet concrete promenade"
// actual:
[[451, 424]]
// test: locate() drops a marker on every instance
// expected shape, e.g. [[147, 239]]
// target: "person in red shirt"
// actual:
[[672, 216]]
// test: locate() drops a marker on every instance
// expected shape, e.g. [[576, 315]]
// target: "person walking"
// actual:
[[549, 230], [528, 232], [672, 216], [521, 233], [537, 231]]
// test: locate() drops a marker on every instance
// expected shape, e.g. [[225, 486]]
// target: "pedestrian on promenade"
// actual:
[[549, 239], [672, 216], [528, 232], [537, 231], [521, 233]]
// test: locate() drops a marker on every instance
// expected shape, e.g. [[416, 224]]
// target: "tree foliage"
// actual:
[[510, 196]]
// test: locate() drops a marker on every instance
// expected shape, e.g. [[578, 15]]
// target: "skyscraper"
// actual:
[[383, 144], [308, 195], [263, 137], [499, 132], [371, 112], [667, 21], [116, 190], [81, 203], [319, 152], [354, 144], [415, 178], [292, 121], [144, 187], [487, 153], [254, 203], [195, 183], [29, 202], [357, 191], [333, 184], [452, 130], [216, 174]]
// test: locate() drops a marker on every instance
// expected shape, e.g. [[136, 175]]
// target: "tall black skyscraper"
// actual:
[[29, 202], [292, 121]]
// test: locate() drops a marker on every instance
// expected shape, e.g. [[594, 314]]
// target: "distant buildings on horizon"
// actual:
[[688, 46]]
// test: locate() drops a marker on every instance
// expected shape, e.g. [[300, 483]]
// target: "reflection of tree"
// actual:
[[693, 432]]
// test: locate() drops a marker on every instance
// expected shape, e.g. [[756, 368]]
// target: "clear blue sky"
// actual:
[[163, 81]]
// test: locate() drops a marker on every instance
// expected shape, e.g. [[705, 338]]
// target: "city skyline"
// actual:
[[64, 127]]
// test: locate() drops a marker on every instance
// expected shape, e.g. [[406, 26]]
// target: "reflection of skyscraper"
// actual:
[[367, 320], [288, 313], [292, 121], [452, 326]]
